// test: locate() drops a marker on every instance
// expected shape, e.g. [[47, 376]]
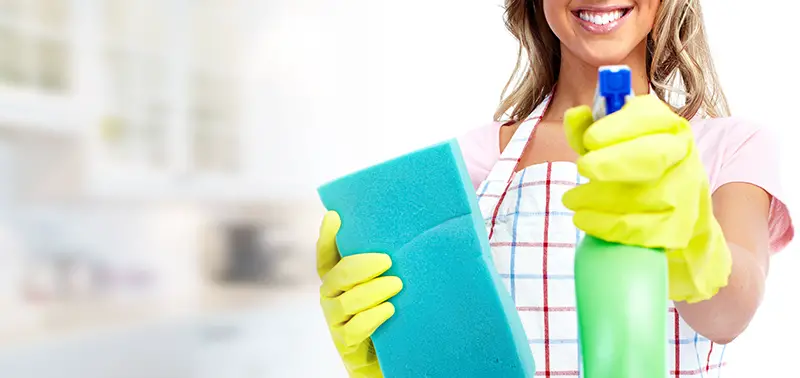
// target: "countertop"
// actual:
[[74, 319]]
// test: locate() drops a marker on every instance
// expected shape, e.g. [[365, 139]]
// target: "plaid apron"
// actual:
[[533, 244]]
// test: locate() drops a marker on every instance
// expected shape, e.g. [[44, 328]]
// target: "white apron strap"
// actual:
[[492, 191], [504, 169]]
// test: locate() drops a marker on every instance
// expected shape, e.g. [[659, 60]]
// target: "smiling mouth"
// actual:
[[602, 17]]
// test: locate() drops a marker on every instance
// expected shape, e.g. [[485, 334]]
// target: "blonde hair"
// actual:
[[679, 63]]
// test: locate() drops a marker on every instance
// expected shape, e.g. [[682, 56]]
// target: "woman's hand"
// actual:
[[647, 187], [354, 298]]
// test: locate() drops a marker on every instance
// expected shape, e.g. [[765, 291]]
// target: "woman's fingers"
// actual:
[[327, 252], [361, 326], [642, 115], [639, 160], [651, 230], [360, 298], [354, 270]]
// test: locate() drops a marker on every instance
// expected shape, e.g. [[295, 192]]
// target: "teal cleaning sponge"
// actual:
[[454, 316]]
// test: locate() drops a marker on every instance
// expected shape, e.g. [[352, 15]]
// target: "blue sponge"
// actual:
[[454, 316]]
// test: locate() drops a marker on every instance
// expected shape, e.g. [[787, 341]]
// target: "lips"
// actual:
[[602, 20]]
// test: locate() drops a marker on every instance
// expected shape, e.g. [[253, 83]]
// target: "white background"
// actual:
[[349, 83]]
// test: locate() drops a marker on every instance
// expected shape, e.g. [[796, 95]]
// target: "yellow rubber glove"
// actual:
[[647, 187], [353, 299]]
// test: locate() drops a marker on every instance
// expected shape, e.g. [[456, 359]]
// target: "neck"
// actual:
[[577, 81]]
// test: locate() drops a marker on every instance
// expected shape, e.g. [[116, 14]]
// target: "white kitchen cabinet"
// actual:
[[151, 91], [170, 119], [38, 42]]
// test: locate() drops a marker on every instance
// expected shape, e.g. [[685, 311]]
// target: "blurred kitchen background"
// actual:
[[141, 232], [158, 160]]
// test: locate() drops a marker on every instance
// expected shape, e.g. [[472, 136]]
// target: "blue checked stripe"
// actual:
[[534, 276], [697, 355], [514, 241], [553, 341], [694, 340], [721, 360], [484, 189], [536, 214], [575, 341]]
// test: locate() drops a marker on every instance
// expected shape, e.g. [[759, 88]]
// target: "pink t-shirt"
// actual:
[[731, 149]]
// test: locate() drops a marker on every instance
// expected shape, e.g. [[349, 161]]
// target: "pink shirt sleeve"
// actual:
[[734, 150], [481, 149]]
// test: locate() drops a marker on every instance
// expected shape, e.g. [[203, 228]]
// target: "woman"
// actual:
[[710, 194]]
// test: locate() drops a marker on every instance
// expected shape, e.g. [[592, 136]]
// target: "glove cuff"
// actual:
[[699, 271]]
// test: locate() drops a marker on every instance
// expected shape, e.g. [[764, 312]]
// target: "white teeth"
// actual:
[[601, 18]]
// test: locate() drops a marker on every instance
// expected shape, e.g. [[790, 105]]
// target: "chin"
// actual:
[[597, 56]]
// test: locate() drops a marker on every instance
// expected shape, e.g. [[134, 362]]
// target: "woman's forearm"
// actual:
[[726, 315]]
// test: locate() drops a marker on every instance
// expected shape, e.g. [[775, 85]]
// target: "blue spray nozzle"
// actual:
[[614, 85]]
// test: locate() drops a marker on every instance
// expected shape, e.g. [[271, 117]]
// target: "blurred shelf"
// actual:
[[28, 110]]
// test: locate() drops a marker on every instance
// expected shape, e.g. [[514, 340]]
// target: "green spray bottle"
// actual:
[[621, 291]]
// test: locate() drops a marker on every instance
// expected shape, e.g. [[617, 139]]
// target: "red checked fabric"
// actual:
[[533, 244]]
